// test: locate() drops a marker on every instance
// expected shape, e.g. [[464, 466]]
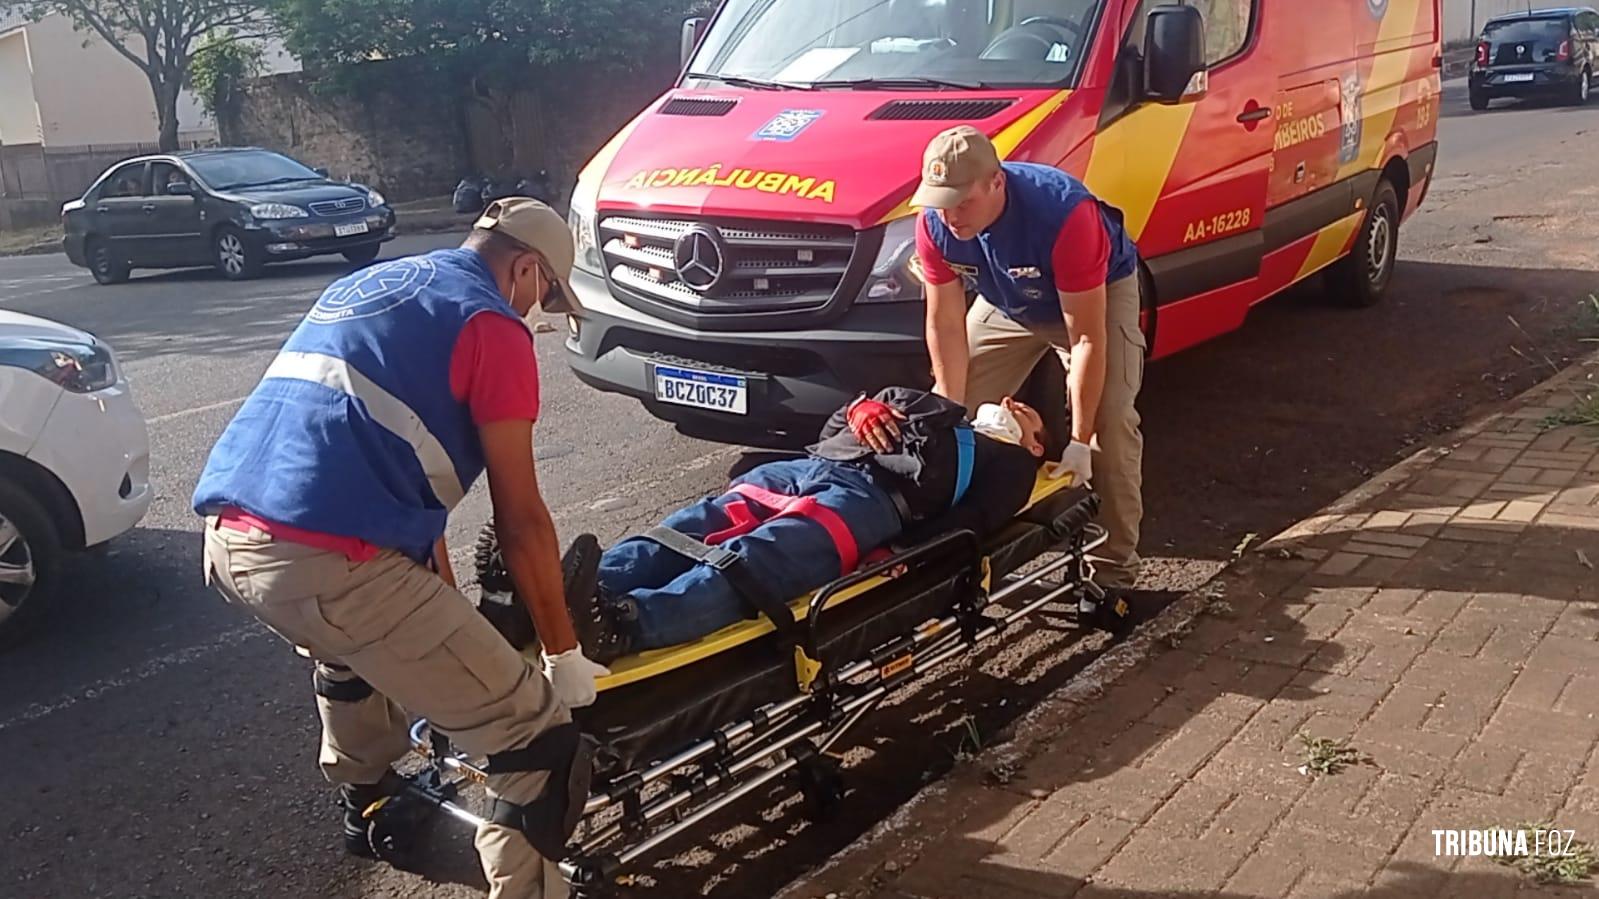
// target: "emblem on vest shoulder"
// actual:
[[1026, 271], [373, 291], [967, 270]]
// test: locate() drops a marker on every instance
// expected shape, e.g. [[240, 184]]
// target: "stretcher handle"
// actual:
[[941, 546]]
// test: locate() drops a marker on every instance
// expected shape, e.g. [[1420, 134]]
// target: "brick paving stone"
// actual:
[[1341, 563], [1521, 510], [1482, 511], [1388, 519], [1579, 621], [1292, 862], [1382, 550], [1556, 733], [1363, 805], [1194, 842]]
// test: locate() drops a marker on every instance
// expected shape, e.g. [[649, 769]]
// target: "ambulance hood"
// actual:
[[844, 157]]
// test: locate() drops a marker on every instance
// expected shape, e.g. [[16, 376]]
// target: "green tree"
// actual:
[[220, 65], [158, 36]]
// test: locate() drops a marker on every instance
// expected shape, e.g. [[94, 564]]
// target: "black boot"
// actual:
[[601, 623], [357, 800], [1110, 609]]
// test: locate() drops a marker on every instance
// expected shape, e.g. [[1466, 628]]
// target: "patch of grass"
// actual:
[[1574, 863], [1328, 756], [1584, 412], [28, 238], [971, 743]]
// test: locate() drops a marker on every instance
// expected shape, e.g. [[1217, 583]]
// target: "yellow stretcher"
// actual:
[[679, 734], [650, 664]]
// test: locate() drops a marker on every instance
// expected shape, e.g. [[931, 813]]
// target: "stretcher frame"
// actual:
[[659, 799]]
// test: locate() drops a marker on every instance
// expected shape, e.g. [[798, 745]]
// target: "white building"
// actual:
[[65, 88]]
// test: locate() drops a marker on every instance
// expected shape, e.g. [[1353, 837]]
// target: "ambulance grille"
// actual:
[[709, 107], [940, 110], [765, 267]]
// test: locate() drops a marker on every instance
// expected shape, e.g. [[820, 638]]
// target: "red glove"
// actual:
[[875, 424]]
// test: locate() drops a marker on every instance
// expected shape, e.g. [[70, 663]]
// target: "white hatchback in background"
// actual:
[[74, 458]]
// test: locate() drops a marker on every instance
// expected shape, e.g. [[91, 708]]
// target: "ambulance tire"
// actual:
[[1479, 100], [1361, 278]]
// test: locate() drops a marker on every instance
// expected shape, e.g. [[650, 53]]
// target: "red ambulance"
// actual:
[[745, 245]]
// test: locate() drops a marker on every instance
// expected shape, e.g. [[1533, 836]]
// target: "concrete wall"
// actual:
[[19, 116], [411, 135], [401, 135]]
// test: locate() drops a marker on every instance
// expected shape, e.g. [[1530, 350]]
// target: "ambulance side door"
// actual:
[[1203, 233]]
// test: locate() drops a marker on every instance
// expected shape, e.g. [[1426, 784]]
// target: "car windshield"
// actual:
[[225, 171], [896, 43], [1526, 31]]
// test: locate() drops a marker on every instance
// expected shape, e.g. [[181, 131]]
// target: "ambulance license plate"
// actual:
[[702, 389], [350, 230], [1514, 79]]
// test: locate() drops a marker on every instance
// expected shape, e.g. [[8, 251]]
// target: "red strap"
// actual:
[[744, 521], [849, 553]]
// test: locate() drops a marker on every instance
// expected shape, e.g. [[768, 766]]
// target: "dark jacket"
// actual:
[[923, 470]]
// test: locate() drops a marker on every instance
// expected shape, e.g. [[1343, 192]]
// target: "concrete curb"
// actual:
[[901, 837]]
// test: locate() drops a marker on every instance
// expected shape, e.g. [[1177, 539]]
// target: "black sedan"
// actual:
[[1541, 52], [236, 209]]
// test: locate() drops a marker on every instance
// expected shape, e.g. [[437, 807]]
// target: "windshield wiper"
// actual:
[[759, 84], [905, 82]]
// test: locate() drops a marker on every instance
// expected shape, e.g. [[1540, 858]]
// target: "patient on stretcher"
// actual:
[[789, 527]]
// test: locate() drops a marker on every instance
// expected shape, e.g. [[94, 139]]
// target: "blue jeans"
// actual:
[[680, 601]]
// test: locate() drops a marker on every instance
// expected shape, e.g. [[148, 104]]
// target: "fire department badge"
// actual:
[[1352, 113], [788, 124]]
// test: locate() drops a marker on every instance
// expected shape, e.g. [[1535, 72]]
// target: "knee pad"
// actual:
[[353, 690], [549, 821]]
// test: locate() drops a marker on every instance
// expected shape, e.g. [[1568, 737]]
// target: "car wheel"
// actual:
[[30, 560], [1361, 278], [1583, 90], [235, 259], [363, 255], [105, 264], [1479, 100]]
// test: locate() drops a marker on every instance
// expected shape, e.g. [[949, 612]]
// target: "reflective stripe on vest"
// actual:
[[966, 446], [385, 408]]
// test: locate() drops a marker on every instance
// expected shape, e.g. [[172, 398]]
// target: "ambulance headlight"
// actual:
[[585, 239], [896, 275]]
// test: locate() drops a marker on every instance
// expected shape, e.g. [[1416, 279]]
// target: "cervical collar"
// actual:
[[997, 422]]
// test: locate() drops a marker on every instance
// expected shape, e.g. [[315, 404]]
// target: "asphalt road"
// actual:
[[155, 744]]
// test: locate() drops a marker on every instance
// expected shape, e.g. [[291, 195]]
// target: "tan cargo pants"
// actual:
[[1004, 353], [424, 649]]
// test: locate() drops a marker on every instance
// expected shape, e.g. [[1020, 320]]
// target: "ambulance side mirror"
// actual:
[[1174, 55], [693, 30]]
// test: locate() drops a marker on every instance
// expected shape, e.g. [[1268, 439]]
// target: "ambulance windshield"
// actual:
[[896, 43]]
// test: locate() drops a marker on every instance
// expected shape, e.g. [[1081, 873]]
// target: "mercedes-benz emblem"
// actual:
[[700, 255]]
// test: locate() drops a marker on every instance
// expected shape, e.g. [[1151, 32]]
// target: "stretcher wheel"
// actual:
[[393, 838], [822, 784]]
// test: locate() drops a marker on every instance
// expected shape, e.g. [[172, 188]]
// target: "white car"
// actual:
[[74, 458]]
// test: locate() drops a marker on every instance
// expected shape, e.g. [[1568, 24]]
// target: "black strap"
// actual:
[[749, 588], [549, 751], [354, 690]]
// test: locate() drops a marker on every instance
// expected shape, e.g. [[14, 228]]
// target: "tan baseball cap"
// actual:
[[956, 160], [539, 228]]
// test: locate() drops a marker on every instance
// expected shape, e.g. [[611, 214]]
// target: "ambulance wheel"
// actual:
[[30, 560], [822, 785], [1361, 278]]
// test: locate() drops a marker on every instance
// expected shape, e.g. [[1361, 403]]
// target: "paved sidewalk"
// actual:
[[1444, 618]]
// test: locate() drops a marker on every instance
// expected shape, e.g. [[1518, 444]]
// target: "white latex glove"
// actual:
[[1077, 461], [572, 675]]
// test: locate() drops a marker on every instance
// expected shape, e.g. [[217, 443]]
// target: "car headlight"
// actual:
[[896, 276], [585, 240], [78, 367], [374, 198], [272, 211]]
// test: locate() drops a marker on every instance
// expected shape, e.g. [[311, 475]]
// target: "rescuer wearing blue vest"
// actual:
[[1054, 269], [326, 500]]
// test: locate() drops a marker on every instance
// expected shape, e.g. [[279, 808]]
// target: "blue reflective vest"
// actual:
[[353, 430], [1013, 260]]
